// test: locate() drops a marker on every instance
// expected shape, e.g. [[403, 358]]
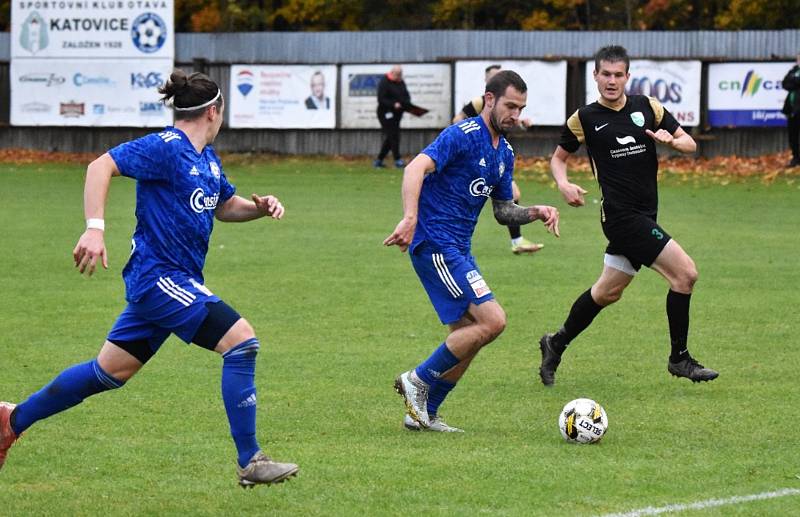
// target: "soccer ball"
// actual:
[[583, 421]]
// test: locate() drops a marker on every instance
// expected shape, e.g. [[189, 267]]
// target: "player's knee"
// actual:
[[686, 279], [608, 296], [240, 332], [495, 325]]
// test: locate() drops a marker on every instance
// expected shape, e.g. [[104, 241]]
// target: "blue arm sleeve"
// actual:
[[147, 158], [446, 147]]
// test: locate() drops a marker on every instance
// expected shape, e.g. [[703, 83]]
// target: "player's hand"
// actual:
[[91, 246], [573, 194], [402, 234], [268, 205], [549, 217], [662, 136]]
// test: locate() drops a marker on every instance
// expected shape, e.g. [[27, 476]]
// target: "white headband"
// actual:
[[192, 108]]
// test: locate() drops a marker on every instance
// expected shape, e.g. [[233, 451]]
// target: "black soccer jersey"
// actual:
[[622, 156]]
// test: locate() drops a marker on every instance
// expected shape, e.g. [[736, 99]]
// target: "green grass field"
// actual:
[[340, 316]]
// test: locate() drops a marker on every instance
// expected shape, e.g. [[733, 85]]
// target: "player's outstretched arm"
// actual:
[[507, 212], [680, 140], [238, 209], [573, 194], [413, 175], [91, 245]]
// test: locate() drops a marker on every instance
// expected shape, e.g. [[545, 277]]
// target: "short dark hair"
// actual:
[[498, 84], [498, 67], [185, 91], [612, 54]]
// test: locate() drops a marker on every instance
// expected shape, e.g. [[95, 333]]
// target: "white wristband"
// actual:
[[95, 224]]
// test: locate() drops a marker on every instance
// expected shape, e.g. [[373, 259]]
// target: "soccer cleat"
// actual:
[[378, 164], [550, 360], [399, 164], [7, 435], [437, 424], [415, 395], [692, 370], [525, 246], [262, 470]]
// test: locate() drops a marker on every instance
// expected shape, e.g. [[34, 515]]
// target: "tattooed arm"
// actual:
[[508, 213]]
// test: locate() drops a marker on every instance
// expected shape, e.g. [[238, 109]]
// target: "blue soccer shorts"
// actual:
[[175, 304], [451, 279]]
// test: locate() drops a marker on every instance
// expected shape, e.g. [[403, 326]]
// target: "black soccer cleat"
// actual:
[[550, 360], [692, 370]]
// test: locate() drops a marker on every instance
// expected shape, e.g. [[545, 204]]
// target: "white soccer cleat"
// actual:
[[415, 395], [263, 470], [437, 424]]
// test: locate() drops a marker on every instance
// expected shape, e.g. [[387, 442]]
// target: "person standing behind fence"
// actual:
[[393, 98], [791, 108]]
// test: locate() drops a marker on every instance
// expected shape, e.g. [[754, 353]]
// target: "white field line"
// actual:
[[708, 503]]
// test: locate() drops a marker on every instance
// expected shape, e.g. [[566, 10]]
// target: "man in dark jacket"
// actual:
[[393, 99], [791, 108]]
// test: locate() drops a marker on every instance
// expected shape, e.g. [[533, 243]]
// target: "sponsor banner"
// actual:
[[92, 28], [547, 87], [57, 92], [283, 96], [428, 84], [676, 85], [746, 94]]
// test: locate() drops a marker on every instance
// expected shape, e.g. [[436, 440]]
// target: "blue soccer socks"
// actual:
[[436, 395], [239, 396], [68, 389], [437, 364]]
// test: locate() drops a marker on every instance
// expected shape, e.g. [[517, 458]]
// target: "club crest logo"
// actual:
[[244, 82], [33, 37], [502, 169], [638, 118], [149, 32], [214, 169]]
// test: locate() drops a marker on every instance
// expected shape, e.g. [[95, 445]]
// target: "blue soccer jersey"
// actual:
[[469, 169], [177, 192]]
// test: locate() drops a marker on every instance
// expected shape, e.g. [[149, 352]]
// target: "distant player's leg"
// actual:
[[224, 331], [520, 244], [110, 370], [616, 276], [678, 268]]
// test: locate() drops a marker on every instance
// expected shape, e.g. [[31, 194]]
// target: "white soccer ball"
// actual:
[[583, 421]]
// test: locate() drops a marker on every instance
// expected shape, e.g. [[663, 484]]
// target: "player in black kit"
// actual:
[[621, 133]]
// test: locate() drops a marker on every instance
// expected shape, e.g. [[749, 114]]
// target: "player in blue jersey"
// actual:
[[180, 189], [444, 190]]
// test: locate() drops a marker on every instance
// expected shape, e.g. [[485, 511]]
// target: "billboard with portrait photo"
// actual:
[[282, 96]]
